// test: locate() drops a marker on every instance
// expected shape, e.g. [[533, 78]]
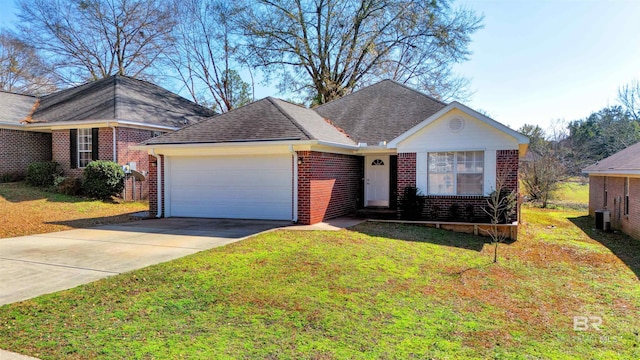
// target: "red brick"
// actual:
[[20, 148], [328, 185], [125, 137]]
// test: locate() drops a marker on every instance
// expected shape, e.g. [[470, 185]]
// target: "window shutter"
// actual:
[[73, 148], [94, 144]]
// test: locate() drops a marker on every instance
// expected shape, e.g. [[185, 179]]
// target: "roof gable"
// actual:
[[519, 138], [380, 112], [119, 98], [626, 161]]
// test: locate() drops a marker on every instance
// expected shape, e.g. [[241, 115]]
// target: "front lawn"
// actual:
[[26, 210], [376, 291]]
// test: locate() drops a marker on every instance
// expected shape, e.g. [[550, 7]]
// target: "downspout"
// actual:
[[113, 133], [158, 181], [295, 183], [115, 159]]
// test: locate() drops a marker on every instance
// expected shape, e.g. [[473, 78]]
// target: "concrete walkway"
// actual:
[[34, 265]]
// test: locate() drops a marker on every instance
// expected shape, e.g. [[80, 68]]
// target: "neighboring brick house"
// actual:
[[275, 160], [19, 148], [96, 120], [614, 185]]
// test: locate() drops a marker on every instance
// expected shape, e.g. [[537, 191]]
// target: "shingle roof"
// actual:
[[627, 160], [15, 107], [380, 112], [119, 98], [268, 119]]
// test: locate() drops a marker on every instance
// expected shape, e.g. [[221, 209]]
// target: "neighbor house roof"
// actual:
[[624, 162], [119, 98], [380, 112], [268, 119], [15, 107]]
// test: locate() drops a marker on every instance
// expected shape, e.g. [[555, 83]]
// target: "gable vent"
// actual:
[[456, 124]]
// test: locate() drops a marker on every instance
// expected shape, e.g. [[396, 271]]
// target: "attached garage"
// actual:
[[236, 187]]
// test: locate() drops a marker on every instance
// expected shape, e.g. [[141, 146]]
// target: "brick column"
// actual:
[[406, 171], [507, 168], [153, 185]]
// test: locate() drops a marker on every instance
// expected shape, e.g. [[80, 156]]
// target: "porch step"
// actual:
[[380, 214]]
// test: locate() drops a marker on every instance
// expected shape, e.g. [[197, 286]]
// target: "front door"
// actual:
[[376, 171]]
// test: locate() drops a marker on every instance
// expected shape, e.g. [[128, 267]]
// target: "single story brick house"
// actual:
[[275, 160], [614, 185], [96, 120]]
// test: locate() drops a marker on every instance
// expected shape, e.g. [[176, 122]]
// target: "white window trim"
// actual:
[[455, 173], [82, 132]]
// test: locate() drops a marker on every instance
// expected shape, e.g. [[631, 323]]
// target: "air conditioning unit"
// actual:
[[603, 220]]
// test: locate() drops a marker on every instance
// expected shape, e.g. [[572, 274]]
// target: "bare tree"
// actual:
[[500, 207], [541, 175], [629, 97], [21, 69], [205, 53], [545, 163], [328, 48], [92, 39]]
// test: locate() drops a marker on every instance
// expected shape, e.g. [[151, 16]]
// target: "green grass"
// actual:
[[376, 291], [573, 194]]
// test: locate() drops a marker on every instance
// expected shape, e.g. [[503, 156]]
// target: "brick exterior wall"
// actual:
[[596, 194], [328, 185], [629, 224], [406, 172], [439, 207], [125, 137], [61, 154], [20, 148], [507, 162], [153, 185]]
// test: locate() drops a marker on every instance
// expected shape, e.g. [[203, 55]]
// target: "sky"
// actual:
[[538, 62]]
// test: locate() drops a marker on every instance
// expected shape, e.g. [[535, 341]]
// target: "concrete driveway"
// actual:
[[40, 264]]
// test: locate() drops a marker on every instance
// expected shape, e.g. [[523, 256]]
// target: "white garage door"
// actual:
[[246, 187]]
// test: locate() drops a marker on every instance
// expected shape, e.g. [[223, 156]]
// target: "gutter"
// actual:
[[245, 143], [294, 159], [160, 196], [614, 172], [21, 127], [68, 124]]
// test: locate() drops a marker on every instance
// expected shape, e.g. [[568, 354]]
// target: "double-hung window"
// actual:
[[85, 149], [456, 173]]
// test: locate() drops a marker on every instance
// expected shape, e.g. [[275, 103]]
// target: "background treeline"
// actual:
[[567, 148], [316, 50]]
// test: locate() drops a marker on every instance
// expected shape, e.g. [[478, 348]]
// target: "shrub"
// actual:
[[454, 212], [43, 173], [102, 179], [411, 203], [434, 213], [501, 206], [68, 186], [470, 213], [11, 177]]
